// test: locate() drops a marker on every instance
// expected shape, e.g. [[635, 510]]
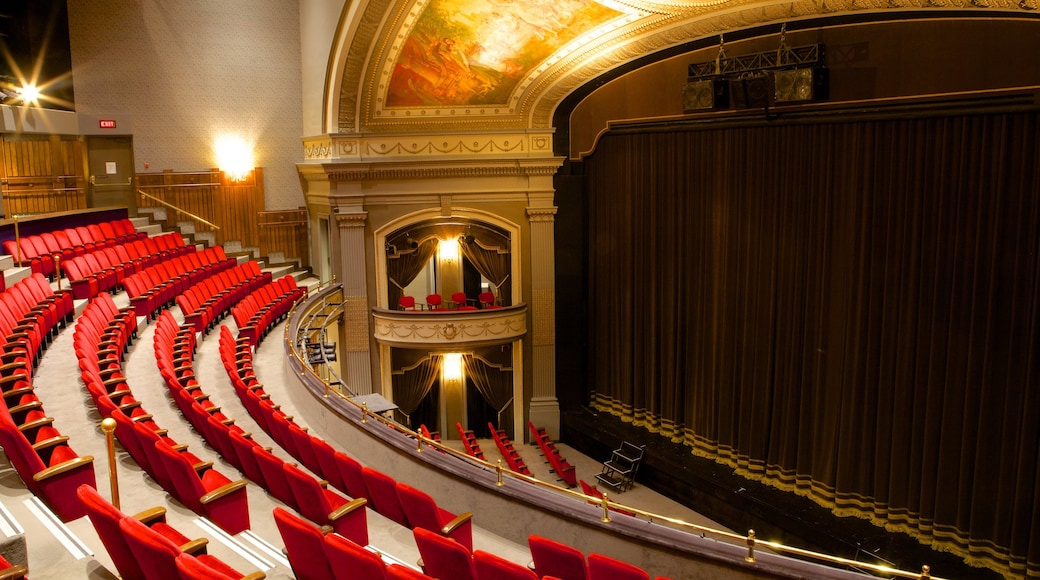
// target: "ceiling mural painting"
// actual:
[[477, 52]]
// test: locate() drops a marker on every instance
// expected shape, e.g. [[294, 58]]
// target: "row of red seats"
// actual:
[[209, 300], [469, 442], [30, 315], [37, 251], [505, 447], [159, 285], [316, 554], [286, 482], [144, 546], [401, 503], [266, 306], [104, 269], [184, 475], [560, 466], [30, 312], [205, 490]]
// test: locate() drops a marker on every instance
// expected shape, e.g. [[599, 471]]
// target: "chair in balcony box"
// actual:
[[434, 302], [326, 507], [460, 302], [406, 303], [605, 568], [487, 300], [443, 557], [551, 558], [423, 512], [304, 545]]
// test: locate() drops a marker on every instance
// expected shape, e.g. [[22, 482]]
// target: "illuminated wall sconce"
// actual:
[[234, 157], [448, 250], [451, 367]]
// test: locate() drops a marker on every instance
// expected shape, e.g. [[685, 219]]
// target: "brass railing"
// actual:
[[177, 209], [504, 474]]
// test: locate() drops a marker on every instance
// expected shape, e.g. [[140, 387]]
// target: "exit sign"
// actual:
[[107, 123]]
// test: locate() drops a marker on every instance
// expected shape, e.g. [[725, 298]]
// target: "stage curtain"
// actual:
[[403, 267], [493, 263], [847, 310]]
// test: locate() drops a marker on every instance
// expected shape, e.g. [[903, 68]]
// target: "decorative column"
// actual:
[[354, 329], [545, 408]]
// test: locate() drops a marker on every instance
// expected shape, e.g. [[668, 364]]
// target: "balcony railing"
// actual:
[[444, 328]]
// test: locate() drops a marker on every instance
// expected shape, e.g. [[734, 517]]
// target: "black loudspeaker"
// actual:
[[800, 84], [750, 93], [705, 94]]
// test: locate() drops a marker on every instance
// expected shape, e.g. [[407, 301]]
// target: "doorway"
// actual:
[[110, 164]]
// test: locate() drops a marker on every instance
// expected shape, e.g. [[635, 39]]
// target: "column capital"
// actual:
[[541, 214], [352, 220]]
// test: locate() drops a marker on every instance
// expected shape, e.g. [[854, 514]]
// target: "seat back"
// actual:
[[605, 568], [304, 545], [153, 552], [105, 518], [419, 508], [443, 557], [351, 471], [350, 561], [552, 558], [492, 567], [406, 303], [382, 490]]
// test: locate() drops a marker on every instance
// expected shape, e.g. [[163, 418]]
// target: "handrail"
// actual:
[[308, 329], [175, 208], [750, 540]]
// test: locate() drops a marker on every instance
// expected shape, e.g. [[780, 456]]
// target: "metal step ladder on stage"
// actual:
[[619, 472]]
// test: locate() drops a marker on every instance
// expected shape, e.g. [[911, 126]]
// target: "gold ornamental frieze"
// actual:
[[449, 328]]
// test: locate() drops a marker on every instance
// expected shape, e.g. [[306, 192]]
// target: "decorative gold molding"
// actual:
[[455, 329], [541, 214], [664, 24], [352, 220], [390, 171], [355, 322]]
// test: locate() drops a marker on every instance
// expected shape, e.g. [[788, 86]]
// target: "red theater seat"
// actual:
[[423, 512], [552, 558], [443, 557], [304, 546], [604, 568]]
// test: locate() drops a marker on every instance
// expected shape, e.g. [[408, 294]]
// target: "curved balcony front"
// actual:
[[449, 329]]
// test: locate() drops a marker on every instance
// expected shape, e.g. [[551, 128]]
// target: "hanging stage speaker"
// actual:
[[800, 84], [750, 92], [705, 94]]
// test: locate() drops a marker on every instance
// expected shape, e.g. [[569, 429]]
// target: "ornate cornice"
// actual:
[[352, 220], [450, 329], [396, 171], [541, 214]]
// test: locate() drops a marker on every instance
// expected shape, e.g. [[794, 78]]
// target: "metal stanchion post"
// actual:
[[108, 425]]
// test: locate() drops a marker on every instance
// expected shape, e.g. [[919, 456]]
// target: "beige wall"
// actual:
[[190, 70]]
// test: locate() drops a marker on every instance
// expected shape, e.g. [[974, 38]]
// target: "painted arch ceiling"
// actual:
[[450, 65]]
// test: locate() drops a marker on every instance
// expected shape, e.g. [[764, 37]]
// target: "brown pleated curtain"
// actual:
[[411, 384], [403, 267], [846, 310], [493, 382], [492, 263]]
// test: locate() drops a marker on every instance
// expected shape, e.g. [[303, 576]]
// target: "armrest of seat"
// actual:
[[64, 467], [223, 491], [203, 466], [50, 442], [347, 508], [195, 547], [456, 523], [258, 575], [15, 572], [151, 515]]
